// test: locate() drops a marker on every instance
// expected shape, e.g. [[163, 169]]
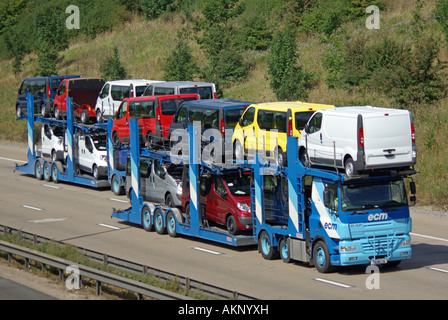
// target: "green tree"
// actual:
[[112, 68], [180, 65], [288, 80], [51, 39]]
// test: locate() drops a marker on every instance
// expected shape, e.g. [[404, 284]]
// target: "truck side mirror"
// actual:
[[327, 200], [412, 187]]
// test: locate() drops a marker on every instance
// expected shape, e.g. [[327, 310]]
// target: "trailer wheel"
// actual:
[[146, 219], [55, 173], [38, 171], [321, 257], [47, 171], [171, 224], [158, 221], [115, 186], [265, 246], [283, 247]]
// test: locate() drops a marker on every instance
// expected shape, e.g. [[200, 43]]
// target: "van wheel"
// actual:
[[149, 143], [19, 112], [238, 151], [99, 116], [231, 225], [280, 157], [303, 157], [43, 111], [169, 201], [85, 118], [116, 140], [95, 171], [349, 166]]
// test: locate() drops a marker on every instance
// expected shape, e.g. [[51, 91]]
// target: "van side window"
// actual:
[[163, 91], [61, 90], [118, 93], [148, 91], [272, 120], [47, 131], [315, 123], [248, 117], [23, 87], [302, 118], [219, 186], [122, 110], [105, 91]]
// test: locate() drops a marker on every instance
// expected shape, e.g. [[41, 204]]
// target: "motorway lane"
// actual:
[[73, 214]]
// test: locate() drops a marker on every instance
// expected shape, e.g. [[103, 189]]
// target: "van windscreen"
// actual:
[[232, 116], [239, 186], [203, 92]]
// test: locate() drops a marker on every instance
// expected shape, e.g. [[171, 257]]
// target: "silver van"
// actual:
[[160, 182], [205, 90]]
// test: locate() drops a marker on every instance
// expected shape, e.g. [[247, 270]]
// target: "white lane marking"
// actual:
[[429, 237], [438, 269], [50, 186], [342, 285], [118, 200], [207, 251], [47, 220], [108, 226], [31, 208], [12, 160]]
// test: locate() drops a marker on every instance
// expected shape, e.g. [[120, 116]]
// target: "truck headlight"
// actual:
[[243, 206], [347, 248], [406, 242]]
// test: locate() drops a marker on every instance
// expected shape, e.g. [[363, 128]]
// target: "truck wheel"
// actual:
[[47, 171], [321, 257], [283, 246], [115, 186], [55, 173], [349, 166], [171, 224], [38, 171], [158, 221], [231, 225], [146, 219], [265, 246]]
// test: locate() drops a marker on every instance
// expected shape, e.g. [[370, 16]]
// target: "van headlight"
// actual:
[[243, 206]]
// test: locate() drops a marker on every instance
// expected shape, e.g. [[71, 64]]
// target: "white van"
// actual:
[[113, 92], [205, 90], [52, 138], [359, 139]]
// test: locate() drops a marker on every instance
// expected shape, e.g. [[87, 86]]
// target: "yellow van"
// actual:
[[264, 127]]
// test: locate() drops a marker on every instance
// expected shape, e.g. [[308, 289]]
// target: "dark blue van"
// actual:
[[221, 115], [44, 90]]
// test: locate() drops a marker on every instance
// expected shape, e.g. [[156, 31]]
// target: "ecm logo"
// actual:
[[377, 216], [330, 226]]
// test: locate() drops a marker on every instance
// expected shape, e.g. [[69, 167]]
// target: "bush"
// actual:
[[180, 65], [288, 81], [112, 69]]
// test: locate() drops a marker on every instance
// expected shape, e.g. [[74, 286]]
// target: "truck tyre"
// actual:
[[283, 248], [265, 246], [321, 257], [115, 186], [158, 221], [171, 224], [146, 219], [47, 171], [55, 172], [38, 170]]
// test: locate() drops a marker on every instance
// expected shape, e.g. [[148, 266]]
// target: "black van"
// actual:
[[220, 115], [44, 90]]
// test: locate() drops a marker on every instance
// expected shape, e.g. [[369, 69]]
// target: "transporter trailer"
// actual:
[[57, 171], [320, 217]]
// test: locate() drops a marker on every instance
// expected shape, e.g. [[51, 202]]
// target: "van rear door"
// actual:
[[388, 139]]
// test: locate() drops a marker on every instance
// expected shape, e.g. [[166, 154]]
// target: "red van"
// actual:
[[84, 92], [154, 114], [224, 198]]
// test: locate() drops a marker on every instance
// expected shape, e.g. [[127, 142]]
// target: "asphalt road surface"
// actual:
[[82, 216]]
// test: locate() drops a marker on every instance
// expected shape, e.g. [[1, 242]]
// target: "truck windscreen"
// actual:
[[361, 196]]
